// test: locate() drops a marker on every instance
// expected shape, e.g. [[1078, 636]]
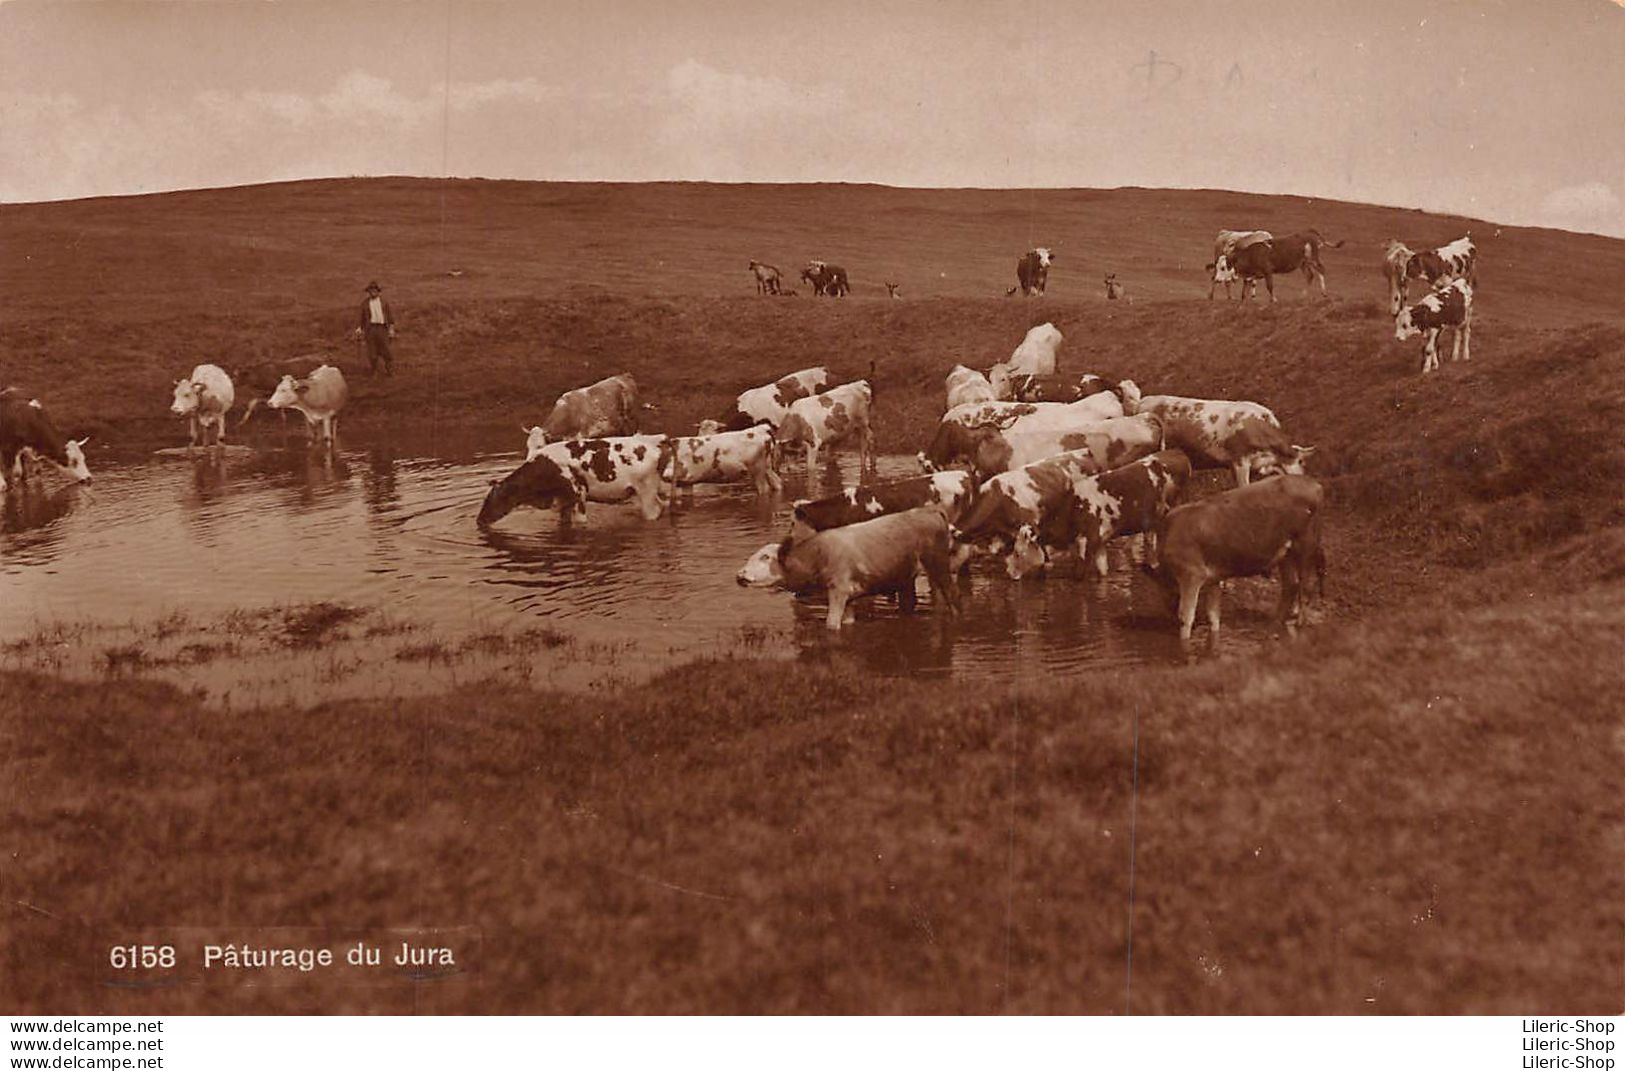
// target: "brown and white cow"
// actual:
[[1016, 510], [1216, 433], [1247, 531], [567, 475], [949, 491], [1279, 256], [729, 457], [768, 404], [25, 427], [1112, 442], [1056, 388], [1224, 253], [1456, 260], [769, 280], [827, 280], [967, 385], [609, 407], [1032, 272], [977, 433], [319, 396], [882, 556], [837, 417], [1035, 356], [257, 382], [1449, 305], [206, 396], [1128, 499]]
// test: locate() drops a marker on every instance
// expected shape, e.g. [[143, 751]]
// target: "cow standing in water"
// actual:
[[25, 427], [206, 396], [1032, 272], [319, 396]]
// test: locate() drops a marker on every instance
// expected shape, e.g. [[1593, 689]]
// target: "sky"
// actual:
[[1510, 111]]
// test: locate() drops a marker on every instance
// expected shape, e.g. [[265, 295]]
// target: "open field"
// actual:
[[1415, 808]]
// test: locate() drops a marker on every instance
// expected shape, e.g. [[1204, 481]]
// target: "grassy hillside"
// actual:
[[1415, 808]]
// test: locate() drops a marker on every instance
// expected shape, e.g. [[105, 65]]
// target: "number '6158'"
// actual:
[[144, 957]]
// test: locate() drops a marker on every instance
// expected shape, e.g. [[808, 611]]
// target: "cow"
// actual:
[[1243, 436], [768, 404], [1224, 253], [1017, 509], [1282, 255], [1456, 260], [1113, 441], [967, 385], [769, 280], [205, 396], [728, 457], [827, 280], [608, 407], [1128, 499], [257, 381], [567, 475], [1056, 388], [832, 418], [1032, 273], [25, 427], [1247, 531], [949, 491], [882, 556], [975, 433], [319, 396], [1396, 266], [1114, 289], [1036, 356], [894, 291], [1449, 305]]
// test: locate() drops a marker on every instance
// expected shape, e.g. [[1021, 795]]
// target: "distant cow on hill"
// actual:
[[827, 280], [1114, 289], [1279, 256], [1032, 273], [1224, 254], [1449, 305], [1457, 260], [769, 280]]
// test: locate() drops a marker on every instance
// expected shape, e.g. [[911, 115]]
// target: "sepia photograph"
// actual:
[[614, 508]]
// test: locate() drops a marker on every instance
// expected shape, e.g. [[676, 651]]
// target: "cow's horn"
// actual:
[[86, 439]]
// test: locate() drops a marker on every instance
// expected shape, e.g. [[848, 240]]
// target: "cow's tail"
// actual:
[[668, 462], [253, 404]]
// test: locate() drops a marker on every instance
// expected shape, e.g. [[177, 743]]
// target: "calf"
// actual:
[[949, 491], [205, 396], [1129, 499], [882, 556], [567, 475], [1247, 531], [25, 426], [769, 404], [728, 457], [1450, 305], [1243, 436], [967, 385], [838, 416], [319, 396], [608, 407]]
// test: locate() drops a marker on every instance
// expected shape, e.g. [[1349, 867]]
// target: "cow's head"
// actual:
[[1027, 555], [287, 392], [74, 449], [1224, 270], [535, 439], [1405, 325], [708, 427], [1288, 462], [765, 568], [540, 483], [187, 395], [1044, 256]]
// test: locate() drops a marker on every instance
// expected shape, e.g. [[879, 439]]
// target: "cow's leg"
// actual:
[[1243, 468], [1269, 284], [939, 577], [649, 500], [1190, 592], [1290, 592], [1430, 352], [838, 597], [191, 437], [908, 598], [1211, 598]]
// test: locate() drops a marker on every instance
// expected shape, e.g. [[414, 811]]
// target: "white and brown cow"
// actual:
[[206, 396], [319, 396], [1036, 356], [768, 404], [609, 407], [1128, 499], [1248, 531], [1216, 433], [971, 434], [26, 428], [882, 556], [729, 457], [1449, 305], [1456, 260], [952, 492], [967, 385], [1017, 509], [1222, 269], [769, 280], [1032, 272], [567, 475], [837, 417], [1279, 256]]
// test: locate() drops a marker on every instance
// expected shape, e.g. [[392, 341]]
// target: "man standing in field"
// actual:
[[377, 327]]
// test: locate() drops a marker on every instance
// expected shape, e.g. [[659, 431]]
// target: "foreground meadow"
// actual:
[[1415, 807]]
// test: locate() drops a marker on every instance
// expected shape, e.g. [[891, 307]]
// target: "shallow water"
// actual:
[[197, 542]]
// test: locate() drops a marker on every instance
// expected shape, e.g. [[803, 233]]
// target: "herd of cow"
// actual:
[[1007, 475]]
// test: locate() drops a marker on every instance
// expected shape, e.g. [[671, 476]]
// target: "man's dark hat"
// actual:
[[374, 286]]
